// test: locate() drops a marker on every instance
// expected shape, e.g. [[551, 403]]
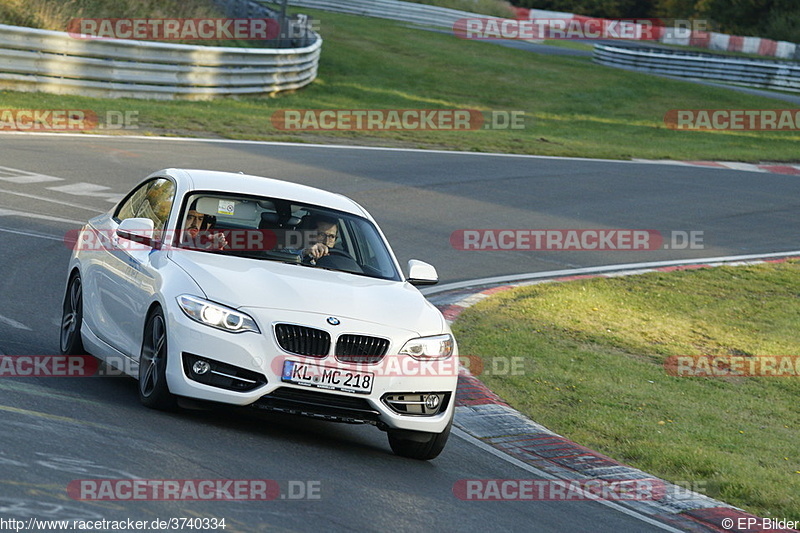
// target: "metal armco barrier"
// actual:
[[740, 71], [391, 9], [54, 62]]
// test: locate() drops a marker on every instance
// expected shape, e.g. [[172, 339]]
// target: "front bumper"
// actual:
[[247, 368]]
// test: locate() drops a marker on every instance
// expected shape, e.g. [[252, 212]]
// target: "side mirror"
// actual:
[[421, 273], [138, 230]]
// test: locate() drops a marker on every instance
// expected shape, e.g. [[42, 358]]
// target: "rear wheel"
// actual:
[[153, 388], [72, 317], [418, 444]]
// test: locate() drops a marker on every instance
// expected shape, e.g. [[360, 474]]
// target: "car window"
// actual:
[[151, 200], [275, 229], [368, 248]]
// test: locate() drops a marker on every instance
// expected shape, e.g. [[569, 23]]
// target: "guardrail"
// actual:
[[423, 14], [55, 62], [740, 71]]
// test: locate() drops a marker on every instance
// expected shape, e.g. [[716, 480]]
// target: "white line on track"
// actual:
[[338, 147], [89, 189], [14, 213], [309, 145], [13, 323], [30, 179], [599, 270], [724, 165], [53, 201], [15, 175], [544, 475], [36, 235]]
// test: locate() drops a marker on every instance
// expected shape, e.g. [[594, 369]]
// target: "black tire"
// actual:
[[418, 444], [153, 389], [72, 317]]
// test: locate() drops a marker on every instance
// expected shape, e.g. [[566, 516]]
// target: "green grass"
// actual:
[[573, 107], [594, 352]]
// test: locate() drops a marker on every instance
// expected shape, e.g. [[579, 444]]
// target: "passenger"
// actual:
[[197, 232]]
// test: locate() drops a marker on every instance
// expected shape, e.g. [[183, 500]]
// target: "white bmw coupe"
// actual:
[[244, 290]]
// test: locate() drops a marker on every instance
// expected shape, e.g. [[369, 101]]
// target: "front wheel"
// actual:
[[153, 388], [418, 444], [71, 318]]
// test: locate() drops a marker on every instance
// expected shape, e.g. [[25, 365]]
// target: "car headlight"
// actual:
[[435, 347], [216, 316]]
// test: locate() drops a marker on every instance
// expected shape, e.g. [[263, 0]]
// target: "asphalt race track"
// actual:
[[56, 430]]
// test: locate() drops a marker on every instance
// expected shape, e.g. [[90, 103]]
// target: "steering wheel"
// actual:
[[335, 251], [331, 252], [339, 260]]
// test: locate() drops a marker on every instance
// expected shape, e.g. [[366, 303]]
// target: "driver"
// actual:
[[325, 237]]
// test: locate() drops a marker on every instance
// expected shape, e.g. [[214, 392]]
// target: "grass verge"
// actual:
[[594, 353], [572, 106]]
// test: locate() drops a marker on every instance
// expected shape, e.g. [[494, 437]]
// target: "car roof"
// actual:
[[233, 182]]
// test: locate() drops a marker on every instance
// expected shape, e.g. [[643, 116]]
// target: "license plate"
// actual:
[[326, 377]]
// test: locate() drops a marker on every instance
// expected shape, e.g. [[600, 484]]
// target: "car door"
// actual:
[[129, 277]]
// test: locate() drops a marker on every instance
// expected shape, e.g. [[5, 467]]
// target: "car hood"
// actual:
[[249, 283]]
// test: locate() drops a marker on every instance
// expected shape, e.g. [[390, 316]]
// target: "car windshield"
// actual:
[[275, 229]]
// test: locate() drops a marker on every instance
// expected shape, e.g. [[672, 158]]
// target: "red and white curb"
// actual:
[[772, 168], [483, 417]]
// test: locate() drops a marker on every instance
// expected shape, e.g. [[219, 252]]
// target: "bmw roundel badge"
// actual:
[[333, 321]]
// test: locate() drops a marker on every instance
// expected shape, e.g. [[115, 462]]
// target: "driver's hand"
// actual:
[[316, 251], [219, 241]]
